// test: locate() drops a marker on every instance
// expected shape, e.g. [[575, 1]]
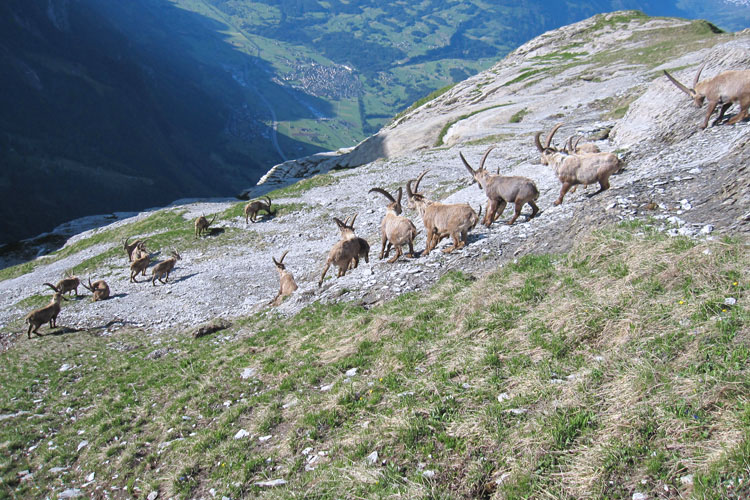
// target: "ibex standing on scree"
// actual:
[[99, 288], [395, 230], [252, 209], [725, 88], [442, 220], [48, 313], [164, 267], [574, 169], [202, 224], [501, 190], [344, 251], [139, 266], [287, 284], [69, 284]]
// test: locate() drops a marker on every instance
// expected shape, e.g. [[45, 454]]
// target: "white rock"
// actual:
[[57, 470], [227, 403], [242, 433], [70, 493], [326, 388], [307, 451], [212, 492], [352, 372], [263, 439], [153, 495], [372, 458], [503, 397], [65, 367], [730, 301], [707, 229], [90, 477], [639, 496], [270, 484], [429, 474], [247, 373], [517, 411], [82, 444]]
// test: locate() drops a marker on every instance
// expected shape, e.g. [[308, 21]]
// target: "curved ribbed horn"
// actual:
[[484, 158], [466, 164], [551, 135], [351, 224], [680, 86], [538, 142], [339, 223], [419, 179], [281, 260], [53, 287], [698, 75], [409, 193], [383, 192], [400, 194], [575, 144]]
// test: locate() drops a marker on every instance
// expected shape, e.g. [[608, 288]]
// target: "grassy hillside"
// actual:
[[620, 367]]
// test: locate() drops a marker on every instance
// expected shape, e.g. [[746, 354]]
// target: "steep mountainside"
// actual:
[[598, 350]]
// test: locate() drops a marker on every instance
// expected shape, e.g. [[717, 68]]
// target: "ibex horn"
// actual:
[[419, 179], [680, 86], [484, 158], [52, 287], [698, 75], [551, 135], [383, 192], [400, 194], [466, 164]]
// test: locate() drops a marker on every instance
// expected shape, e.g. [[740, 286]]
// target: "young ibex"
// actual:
[[442, 220], [572, 147], [69, 284], [725, 88], [48, 313], [129, 247], [501, 190], [395, 230], [202, 224], [139, 266], [574, 169], [252, 209], [99, 288], [345, 251], [140, 251], [164, 267], [287, 284]]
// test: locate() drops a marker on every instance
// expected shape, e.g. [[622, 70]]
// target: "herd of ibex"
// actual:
[[574, 164]]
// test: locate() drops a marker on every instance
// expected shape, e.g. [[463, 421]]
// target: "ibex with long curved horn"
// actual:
[[574, 169], [287, 284], [252, 209], [48, 313], [99, 288], [725, 88], [501, 190], [202, 224], [395, 230], [442, 220]]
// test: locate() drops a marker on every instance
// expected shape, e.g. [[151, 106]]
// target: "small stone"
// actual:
[[503, 397], [90, 477], [263, 439], [70, 493], [428, 474], [65, 367], [57, 470], [730, 301], [153, 495], [352, 372], [227, 403], [82, 444], [212, 492], [307, 451], [247, 373], [23, 473], [270, 484], [639, 496], [517, 411], [326, 388], [372, 458], [242, 433], [707, 229]]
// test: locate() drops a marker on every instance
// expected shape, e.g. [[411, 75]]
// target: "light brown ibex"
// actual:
[[129, 247], [501, 190], [286, 281], [69, 284], [344, 251], [395, 230], [442, 220], [252, 209], [202, 224], [139, 266], [725, 88], [99, 288], [48, 313], [140, 251], [574, 169], [164, 267]]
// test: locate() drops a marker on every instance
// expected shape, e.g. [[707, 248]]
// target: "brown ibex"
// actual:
[[501, 190], [139, 266], [202, 224], [395, 230], [48, 313], [69, 284], [129, 247], [99, 288], [252, 209], [140, 251], [725, 88], [442, 220], [286, 281], [346, 250], [164, 267]]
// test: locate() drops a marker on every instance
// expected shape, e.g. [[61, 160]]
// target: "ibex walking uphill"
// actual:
[[48, 313]]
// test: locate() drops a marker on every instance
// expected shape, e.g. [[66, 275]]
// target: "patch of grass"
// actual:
[[303, 185], [447, 126], [518, 116]]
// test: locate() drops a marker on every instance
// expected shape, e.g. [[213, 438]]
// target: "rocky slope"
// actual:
[[685, 179]]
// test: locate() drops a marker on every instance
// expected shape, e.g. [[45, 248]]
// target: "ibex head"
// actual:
[[548, 149], [413, 194], [395, 203], [479, 175], [697, 95], [280, 263]]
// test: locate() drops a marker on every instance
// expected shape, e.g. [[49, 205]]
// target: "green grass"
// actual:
[[619, 366], [518, 116], [447, 126], [300, 187]]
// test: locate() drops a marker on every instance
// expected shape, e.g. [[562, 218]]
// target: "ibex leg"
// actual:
[[565, 187]]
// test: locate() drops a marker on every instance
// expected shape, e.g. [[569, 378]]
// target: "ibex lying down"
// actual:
[[345, 251], [252, 208], [99, 288], [164, 267], [130, 247], [139, 266], [287, 284], [501, 190], [69, 284], [202, 224], [395, 230], [442, 220], [573, 169], [48, 313], [725, 88]]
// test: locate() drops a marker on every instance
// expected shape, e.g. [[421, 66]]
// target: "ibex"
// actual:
[[252, 209], [140, 251], [395, 230], [574, 169], [501, 190], [129, 247], [572, 146], [725, 88], [442, 220], [164, 267], [346, 250], [48, 313], [69, 284], [99, 288], [287, 284], [202, 224], [139, 266]]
